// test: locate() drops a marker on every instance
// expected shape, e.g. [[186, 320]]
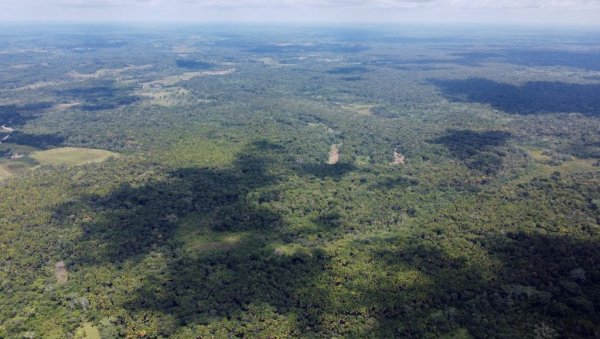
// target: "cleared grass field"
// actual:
[[67, 156], [71, 156], [544, 169], [15, 167], [4, 173], [197, 236]]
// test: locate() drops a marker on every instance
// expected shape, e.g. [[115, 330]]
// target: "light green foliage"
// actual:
[[70, 156], [221, 218]]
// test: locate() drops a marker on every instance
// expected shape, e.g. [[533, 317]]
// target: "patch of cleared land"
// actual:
[[290, 250], [161, 92], [65, 106], [106, 72], [197, 237], [223, 243], [170, 96], [173, 79], [17, 166], [576, 165], [317, 125], [88, 331], [544, 168], [399, 158], [61, 273], [359, 109], [4, 173], [67, 156], [185, 48], [268, 61], [20, 66], [71, 156], [334, 154], [38, 85]]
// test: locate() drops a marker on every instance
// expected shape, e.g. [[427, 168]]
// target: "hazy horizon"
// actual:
[[507, 12]]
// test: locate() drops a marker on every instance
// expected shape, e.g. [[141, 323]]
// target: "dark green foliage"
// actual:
[[42, 141], [349, 70], [530, 98], [193, 64], [308, 48], [222, 218], [481, 151], [100, 97], [13, 115]]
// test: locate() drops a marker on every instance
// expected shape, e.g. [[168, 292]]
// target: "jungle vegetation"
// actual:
[[195, 193]]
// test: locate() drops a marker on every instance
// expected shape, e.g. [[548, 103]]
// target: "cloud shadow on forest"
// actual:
[[19, 115], [481, 151], [538, 277], [208, 281], [537, 97], [42, 141]]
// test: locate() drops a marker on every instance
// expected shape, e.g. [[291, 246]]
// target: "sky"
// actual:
[[546, 12]]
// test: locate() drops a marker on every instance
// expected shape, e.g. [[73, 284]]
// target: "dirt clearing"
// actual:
[[61, 273], [334, 154], [65, 106], [399, 158], [360, 109]]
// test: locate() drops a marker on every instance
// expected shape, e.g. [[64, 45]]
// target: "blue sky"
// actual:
[[549, 12]]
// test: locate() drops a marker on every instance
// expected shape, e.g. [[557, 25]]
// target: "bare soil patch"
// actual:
[[334, 154], [61, 273], [170, 96], [65, 106], [399, 158]]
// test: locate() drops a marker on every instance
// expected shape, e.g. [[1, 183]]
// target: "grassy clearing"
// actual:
[[359, 109], [201, 152], [543, 168], [64, 106], [197, 237], [106, 72], [173, 79], [16, 148], [67, 156], [15, 167], [170, 96], [321, 125], [576, 165], [88, 331], [4, 173], [71, 156]]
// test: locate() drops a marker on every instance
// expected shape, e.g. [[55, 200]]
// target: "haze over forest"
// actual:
[[311, 169], [504, 12]]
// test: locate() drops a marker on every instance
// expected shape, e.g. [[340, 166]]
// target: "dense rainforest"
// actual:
[[300, 182]]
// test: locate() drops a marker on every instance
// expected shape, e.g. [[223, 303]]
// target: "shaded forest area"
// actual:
[[221, 214], [529, 98]]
